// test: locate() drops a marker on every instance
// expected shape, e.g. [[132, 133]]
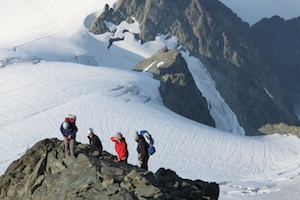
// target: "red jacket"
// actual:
[[121, 148]]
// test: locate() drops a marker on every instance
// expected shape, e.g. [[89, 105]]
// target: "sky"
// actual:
[[252, 11], [50, 71]]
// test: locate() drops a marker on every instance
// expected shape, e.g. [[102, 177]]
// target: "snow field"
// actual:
[[40, 84]]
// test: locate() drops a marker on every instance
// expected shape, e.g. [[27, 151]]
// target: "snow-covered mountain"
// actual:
[[53, 66]]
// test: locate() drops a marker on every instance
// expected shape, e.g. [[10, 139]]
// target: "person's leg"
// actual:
[[66, 143], [72, 147], [125, 160], [144, 165], [96, 153]]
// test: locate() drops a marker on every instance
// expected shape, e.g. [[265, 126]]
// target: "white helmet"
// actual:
[[66, 125], [90, 130]]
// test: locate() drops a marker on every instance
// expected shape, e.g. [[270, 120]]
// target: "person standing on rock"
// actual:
[[69, 130], [120, 147], [142, 149], [95, 143]]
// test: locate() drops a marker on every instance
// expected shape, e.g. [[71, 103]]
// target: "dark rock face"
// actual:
[[215, 35], [278, 42], [43, 173], [177, 87]]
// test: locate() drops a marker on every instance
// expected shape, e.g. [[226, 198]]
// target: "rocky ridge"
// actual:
[[213, 33], [44, 173]]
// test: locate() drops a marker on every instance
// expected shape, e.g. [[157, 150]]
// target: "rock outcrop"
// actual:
[[215, 35], [281, 128], [177, 88], [44, 173]]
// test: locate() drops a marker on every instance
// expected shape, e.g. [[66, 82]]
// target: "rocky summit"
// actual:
[[44, 173]]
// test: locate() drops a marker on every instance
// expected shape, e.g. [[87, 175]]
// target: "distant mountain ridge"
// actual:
[[213, 33]]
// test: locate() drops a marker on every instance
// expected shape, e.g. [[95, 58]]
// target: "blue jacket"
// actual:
[[72, 131]]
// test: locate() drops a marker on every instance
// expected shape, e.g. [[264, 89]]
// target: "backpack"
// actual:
[[148, 138], [71, 119]]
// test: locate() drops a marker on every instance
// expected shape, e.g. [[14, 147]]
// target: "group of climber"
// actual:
[[69, 129]]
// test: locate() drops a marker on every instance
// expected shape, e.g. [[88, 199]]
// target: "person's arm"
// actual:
[[73, 132], [113, 139], [63, 131]]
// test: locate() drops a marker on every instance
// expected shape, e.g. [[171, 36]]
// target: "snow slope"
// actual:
[[42, 82]]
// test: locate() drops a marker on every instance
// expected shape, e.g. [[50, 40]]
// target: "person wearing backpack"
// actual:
[[69, 131], [142, 149], [120, 147], [148, 138], [95, 143]]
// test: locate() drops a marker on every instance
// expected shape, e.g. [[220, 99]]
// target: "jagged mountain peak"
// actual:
[[185, 20], [219, 38]]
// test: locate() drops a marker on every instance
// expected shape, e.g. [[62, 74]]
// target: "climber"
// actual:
[[95, 143], [120, 147], [69, 130], [142, 149]]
